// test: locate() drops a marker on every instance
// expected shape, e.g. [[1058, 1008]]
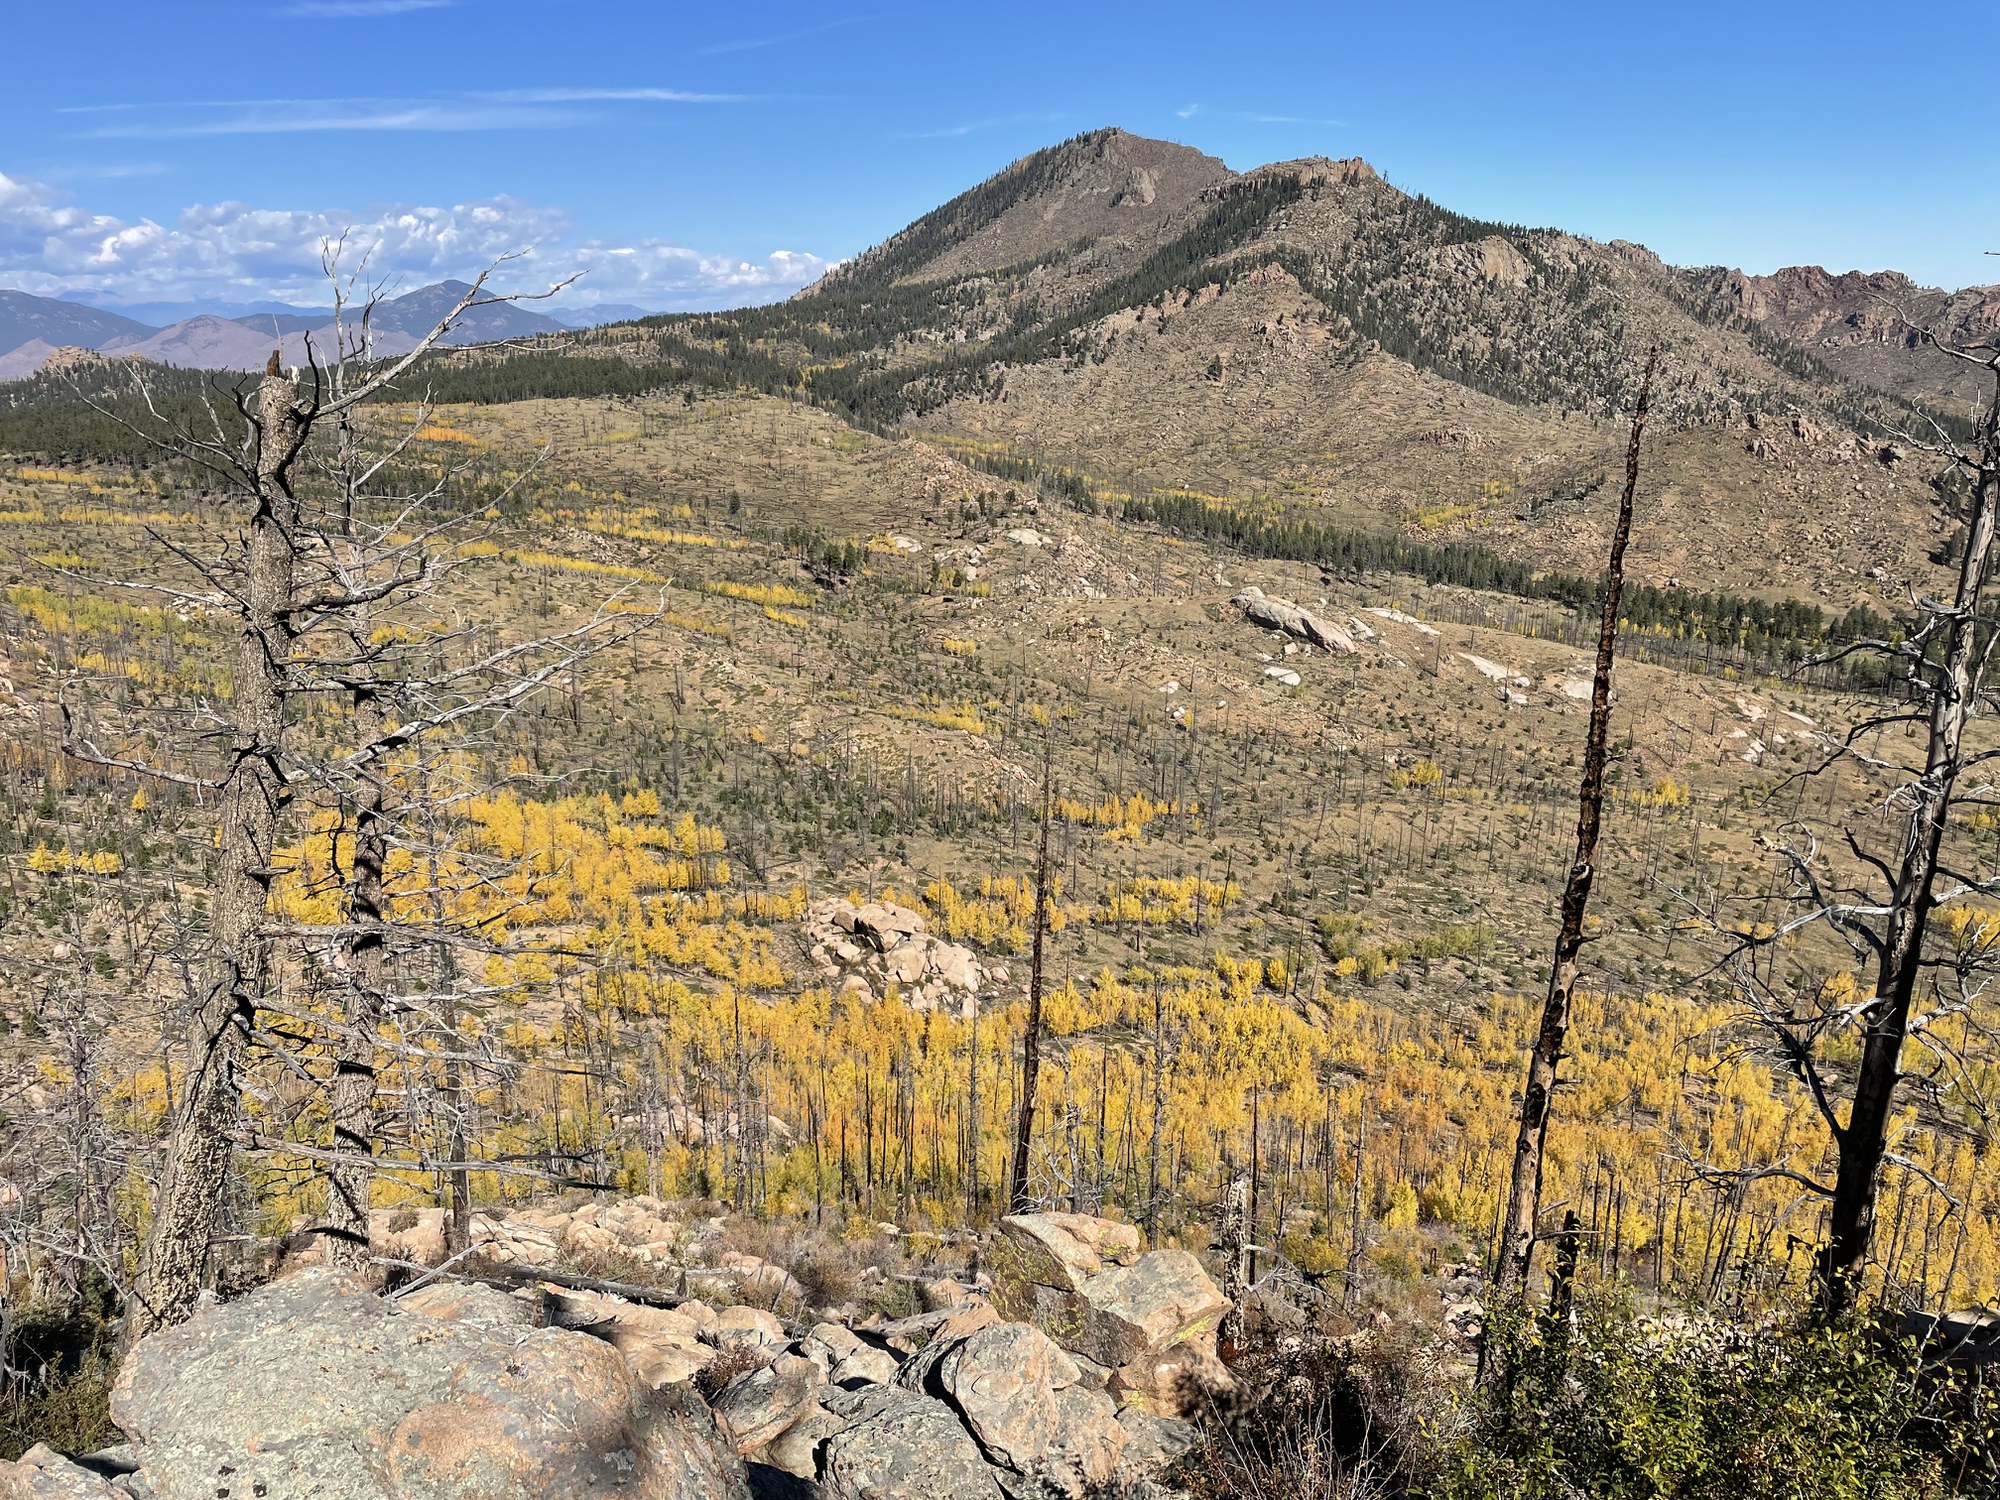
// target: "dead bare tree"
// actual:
[[320, 560], [1018, 1198], [1884, 907], [1524, 1192]]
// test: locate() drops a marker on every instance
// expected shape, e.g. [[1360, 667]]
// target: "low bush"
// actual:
[[1624, 1408]]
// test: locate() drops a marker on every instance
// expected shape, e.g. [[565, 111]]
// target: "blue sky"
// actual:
[[703, 156]]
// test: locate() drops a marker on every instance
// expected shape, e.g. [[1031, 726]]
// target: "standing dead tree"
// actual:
[[1018, 1198], [326, 549], [1909, 913], [1524, 1192]]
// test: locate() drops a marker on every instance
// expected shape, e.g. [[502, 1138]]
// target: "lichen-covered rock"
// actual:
[[908, 1335], [459, 1302], [901, 1445], [827, 1344], [867, 1365], [1180, 1380], [755, 1407], [1153, 1441], [1163, 1298], [43, 1474], [1047, 1252], [747, 1327], [1083, 1457], [1057, 1311], [663, 1344], [1111, 1241], [796, 1449], [314, 1386], [1003, 1382]]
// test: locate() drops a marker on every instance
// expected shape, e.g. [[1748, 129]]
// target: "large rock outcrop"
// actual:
[[1148, 1321], [869, 947], [1259, 608], [901, 1445], [43, 1474], [315, 1386]]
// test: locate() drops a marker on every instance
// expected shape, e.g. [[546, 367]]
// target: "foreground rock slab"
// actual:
[[43, 1474], [902, 1446], [316, 1387], [1146, 1320]]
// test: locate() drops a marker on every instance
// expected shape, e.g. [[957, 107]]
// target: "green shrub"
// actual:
[[70, 1411], [1625, 1409]]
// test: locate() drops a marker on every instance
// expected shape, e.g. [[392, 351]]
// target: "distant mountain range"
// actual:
[[24, 317], [163, 314], [241, 336]]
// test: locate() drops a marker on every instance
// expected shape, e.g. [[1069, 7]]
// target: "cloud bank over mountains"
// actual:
[[235, 252]]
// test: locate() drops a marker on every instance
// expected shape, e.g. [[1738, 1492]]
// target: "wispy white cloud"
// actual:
[[1188, 111], [490, 109], [237, 252], [751, 44], [111, 171], [409, 117], [613, 95], [351, 101], [972, 127], [356, 10]]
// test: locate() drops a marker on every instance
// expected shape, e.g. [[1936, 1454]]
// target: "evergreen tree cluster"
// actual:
[[1785, 630]]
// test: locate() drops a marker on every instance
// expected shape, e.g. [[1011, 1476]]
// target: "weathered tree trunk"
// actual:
[[237, 966], [457, 1183], [972, 1119], [458, 1144], [1159, 1116], [1524, 1193], [351, 1177], [1863, 1141], [351, 1101], [1232, 1246], [1031, 1042]]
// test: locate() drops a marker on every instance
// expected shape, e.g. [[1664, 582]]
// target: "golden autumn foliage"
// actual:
[[769, 595], [1125, 817], [46, 861], [960, 716], [869, 1095]]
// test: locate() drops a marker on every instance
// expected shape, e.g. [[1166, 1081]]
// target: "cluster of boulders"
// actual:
[[868, 947], [1074, 1373], [1142, 1324], [640, 1230], [956, 1402], [1064, 1370], [1462, 1289]]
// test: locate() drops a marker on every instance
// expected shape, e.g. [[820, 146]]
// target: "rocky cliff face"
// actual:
[[1864, 324]]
